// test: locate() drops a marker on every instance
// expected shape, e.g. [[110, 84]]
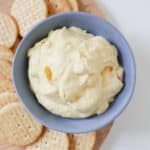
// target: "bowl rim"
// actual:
[[108, 120]]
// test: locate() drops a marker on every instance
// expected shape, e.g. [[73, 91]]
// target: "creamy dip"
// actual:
[[73, 73]]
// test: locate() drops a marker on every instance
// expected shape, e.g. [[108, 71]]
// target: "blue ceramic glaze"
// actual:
[[96, 26]]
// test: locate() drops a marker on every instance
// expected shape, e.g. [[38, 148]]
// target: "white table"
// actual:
[[132, 129]]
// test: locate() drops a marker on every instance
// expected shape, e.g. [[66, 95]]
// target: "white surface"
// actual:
[[132, 129]]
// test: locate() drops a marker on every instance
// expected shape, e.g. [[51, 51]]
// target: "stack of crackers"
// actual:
[[17, 127]]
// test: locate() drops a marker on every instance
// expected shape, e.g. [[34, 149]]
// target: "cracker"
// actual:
[[17, 127], [5, 69], [6, 85], [74, 5], [7, 98], [84, 141], [58, 6], [51, 140], [8, 30], [28, 13], [6, 54]]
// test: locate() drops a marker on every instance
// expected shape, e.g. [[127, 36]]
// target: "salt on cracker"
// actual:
[[74, 5], [5, 69], [28, 13], [51, 140], [58, 6], [84, 141], [17, 127], [6, 54], [7, 98], [8, 30]]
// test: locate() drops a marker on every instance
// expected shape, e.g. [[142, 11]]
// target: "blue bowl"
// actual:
[[96, 26]]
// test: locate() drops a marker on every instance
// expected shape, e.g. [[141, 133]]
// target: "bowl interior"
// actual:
[[96, 26]]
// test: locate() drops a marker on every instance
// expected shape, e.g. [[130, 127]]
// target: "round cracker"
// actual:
[[58, 6], [5, 69], [8, 30], [6, 54], [51, 140], [74, 5], [28, 13], [17, 127], [83, 141], [7, 98]]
